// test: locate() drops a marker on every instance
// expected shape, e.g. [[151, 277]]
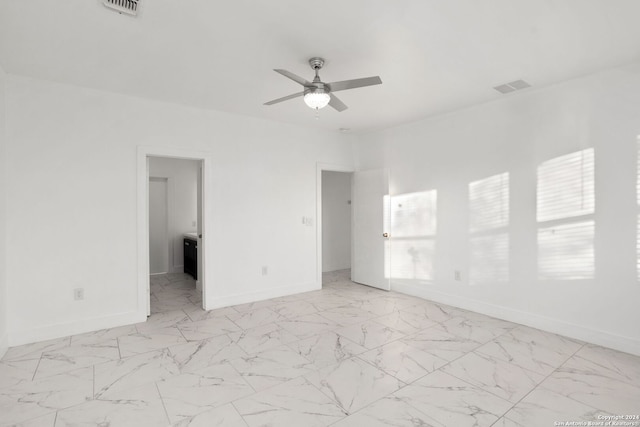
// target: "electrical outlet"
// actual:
[[265, 270], [78, 294], [193, 223], [457, 275]]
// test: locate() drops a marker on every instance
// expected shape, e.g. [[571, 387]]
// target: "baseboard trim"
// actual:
[[43, 333], [556, 326], [177, 268], [247, 297], [4, 345]]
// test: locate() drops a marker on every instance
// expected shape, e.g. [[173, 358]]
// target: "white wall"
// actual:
[[515, 135], [3, 230], [336, 221], [71, 203], [158, 226], [182, 180]]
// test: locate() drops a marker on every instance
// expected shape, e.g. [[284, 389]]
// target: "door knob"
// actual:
[[385, 234]]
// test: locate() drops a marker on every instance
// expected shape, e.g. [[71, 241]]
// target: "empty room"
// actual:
[[294, 213]]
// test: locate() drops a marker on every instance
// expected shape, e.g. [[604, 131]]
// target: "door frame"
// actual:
[[143, 154], [329, 167]]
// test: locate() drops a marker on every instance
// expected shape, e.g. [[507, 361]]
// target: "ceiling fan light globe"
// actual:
[[317, 100]]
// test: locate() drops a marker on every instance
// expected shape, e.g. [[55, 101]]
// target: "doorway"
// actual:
[[336, 226], [173, 234], [158, 226], [179, 222], [370, 226]]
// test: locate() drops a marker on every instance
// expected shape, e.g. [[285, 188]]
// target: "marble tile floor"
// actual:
[[345, 356]]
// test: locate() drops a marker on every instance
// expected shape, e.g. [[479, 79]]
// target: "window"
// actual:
[[413, 232], [565, 207], [488, 228]]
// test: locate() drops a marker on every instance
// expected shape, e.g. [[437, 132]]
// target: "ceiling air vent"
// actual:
[[130, 7], [512, 86]]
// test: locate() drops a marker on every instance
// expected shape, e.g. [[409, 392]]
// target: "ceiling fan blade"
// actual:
[[284, 98], [355, 83], [294, 77], [336, 103]]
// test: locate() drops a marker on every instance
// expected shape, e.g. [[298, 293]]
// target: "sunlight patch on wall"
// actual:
[[566, 251], [488, 222], [489, 203], [566, 203], [413, 219], [566, 186]]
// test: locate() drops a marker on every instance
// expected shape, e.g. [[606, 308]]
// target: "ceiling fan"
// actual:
[[318, 94]]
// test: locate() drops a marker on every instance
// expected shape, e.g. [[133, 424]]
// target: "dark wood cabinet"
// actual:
[[191, 257]]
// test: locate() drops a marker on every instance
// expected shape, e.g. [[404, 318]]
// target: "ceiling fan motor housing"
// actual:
[[316, 63]]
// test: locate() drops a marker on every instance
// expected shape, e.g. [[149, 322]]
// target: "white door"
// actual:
[[370, 206], [158, 226]]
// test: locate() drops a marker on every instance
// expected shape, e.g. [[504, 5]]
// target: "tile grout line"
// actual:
[[166, 413]]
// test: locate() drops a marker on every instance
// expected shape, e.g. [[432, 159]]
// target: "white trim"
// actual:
[[248, 297], [319, 168], [48, 332], [556, 326], [4, 345], [143, 153]]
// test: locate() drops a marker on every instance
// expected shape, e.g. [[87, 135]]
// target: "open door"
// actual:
[[370, 207]]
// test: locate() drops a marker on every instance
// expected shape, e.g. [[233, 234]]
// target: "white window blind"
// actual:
[[566, 186]]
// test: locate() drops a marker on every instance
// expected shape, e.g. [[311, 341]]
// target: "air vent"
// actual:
[[130, 7], [512, 86]]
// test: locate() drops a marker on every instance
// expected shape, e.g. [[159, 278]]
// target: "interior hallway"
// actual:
[[346, 355]]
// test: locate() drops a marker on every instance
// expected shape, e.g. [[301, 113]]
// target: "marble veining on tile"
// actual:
[[272, 367], [535, 350], [190, 394], [544, 407], [254, 318], [137, 407], [388, 412], [503, 379], [404, 362], [37, 398], [327, 348], [294, 403], [346, 355], [196, 355], [262, 338], [208, 328], [370, 334], [155, 339], [223, 416], [453, 402], [354, 384], [111, 378], [77, 356]]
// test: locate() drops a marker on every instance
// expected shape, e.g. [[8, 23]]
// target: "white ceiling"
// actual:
[[432, 55]]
